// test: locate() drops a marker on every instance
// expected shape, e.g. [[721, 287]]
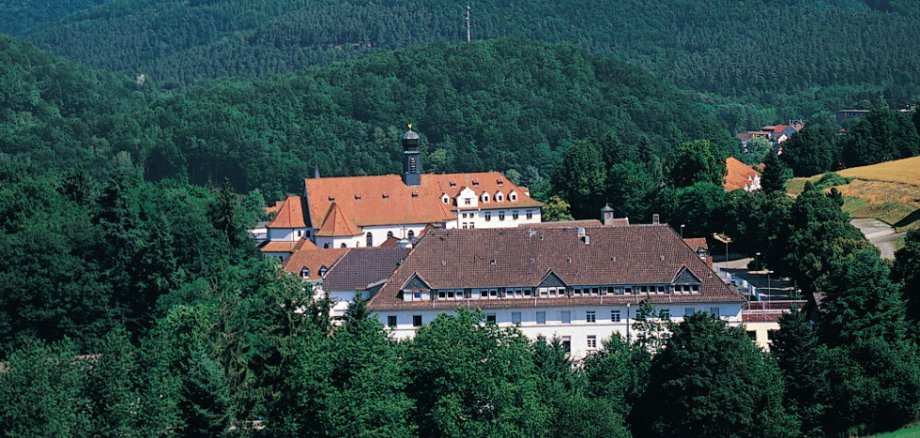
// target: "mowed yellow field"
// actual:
[[905, 171]]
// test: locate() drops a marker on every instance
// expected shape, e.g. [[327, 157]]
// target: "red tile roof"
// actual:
[[696, 243], [290, 214], [313, 259], [362, 267], [738, 175], [336, 223], [386, 200], [287, 246], [522, 257]]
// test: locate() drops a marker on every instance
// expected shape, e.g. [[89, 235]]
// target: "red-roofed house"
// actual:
[[740, 176]]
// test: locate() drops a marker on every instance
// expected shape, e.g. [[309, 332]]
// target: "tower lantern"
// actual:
[[412, 166]]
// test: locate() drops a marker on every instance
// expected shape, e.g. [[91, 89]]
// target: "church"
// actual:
[[364, 211]]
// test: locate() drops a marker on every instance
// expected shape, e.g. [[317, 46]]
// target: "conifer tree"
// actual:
[[773, 179], [581, 178], [798, 354]]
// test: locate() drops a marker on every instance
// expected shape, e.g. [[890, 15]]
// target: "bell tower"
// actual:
[[412, 165]]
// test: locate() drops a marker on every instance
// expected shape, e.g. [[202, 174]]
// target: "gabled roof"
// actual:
[[525, 256], [738, 175], [416, 282], [685, 276], [313, 259], [337, 223], [386, 200], [551, 280], [695, 243], [289, 214]]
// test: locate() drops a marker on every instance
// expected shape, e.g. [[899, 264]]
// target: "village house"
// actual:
[[740, 176], [363, 211]]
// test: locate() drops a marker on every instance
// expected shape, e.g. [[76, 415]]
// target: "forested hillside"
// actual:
[[499, 105], [769, 55], [25, 16]]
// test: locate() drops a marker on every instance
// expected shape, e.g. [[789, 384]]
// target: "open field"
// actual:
[[889, 192], [906, 171], [909, 431]]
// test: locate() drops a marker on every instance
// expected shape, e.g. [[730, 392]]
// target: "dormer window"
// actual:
[[499, 197], [512, 196], [323, 271], [485, 197], [499, 182], [305, 273], [452, 184], [445, 199]]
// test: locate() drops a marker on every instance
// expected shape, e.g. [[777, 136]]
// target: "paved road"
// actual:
[[880, 234]]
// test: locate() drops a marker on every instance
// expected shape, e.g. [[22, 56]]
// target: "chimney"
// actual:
[[656, 219]]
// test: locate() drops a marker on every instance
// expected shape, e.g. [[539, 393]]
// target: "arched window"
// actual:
[[325, 246], [344, 245], [370, 239], [389, 234], [411, 234]]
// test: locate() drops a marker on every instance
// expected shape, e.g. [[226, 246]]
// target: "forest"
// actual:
[[753, 62], [133, 303]]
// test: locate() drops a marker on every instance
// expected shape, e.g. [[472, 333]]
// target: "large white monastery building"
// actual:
[[361, 211]]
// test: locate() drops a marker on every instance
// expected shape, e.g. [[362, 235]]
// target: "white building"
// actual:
[[582, 284], [361, 211]]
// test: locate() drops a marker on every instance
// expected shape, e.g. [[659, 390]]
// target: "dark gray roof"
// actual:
[[361, 267]]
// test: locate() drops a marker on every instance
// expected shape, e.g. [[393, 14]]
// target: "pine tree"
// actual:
[[797, 352], [773, 179], [580, 179]]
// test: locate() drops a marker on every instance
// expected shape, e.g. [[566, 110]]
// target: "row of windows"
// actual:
[[565, 317], [550, 292]]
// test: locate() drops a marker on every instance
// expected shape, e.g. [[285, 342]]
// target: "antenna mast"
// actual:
[[469, 36]]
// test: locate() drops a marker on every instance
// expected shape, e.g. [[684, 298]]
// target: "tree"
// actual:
[[556, 209], [618, 374], [473, 379], [757, 149], [811, 151], [42, 392], [207, 404], [629, 186], [711, 381], [882, 136], [368, 382], [694, 162], [701, 208], [906, 270], [580, 179], [773, 179], [820, 236], [798, 354]]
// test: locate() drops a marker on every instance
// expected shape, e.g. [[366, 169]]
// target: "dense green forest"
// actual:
[[503, 105], [755, 61]]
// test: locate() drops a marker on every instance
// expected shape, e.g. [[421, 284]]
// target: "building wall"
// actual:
[[342, 299], [760, 332], [336, 242], [578, 330], [477, 218], [379, 232], [287, 234]]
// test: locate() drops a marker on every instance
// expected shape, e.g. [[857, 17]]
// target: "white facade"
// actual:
[[573, 324], [495, 217], [339, 242], [288, 234], [380, 233]]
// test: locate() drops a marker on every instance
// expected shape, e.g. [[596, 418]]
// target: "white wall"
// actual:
[[761, 332], [286, 234], [578, 330], [477, 217], [399, 231], [336, 242]]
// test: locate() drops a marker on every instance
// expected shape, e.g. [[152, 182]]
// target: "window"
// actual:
[[488, 216], [391, 321], [752, 334], [541, 318], [567, 343], [590, 316], [490, 317], [416, 320], [529, 214], [614, 316], [515, 317], [389, 234], [370, 239], [323, 271], [689, 311], [344, 245], [299, 233], [411, 234], [592, 342], [467, 201], [445, 200], [771, 334], [514, 215], [305, 272], [665, 314], [485, 197], [566, 316], [499, 197], [501, 215], [325, 246], [714, 311], [512, 196]]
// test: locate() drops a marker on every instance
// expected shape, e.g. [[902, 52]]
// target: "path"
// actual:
[[882, 235]]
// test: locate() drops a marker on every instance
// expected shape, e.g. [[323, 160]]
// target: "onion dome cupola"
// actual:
[[412, 165]]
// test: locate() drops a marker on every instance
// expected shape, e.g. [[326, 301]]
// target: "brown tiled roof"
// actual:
[[386, 200], [738, 175], [337, 223], [521, 257], [290, 214], [565, 224], [361, 267], [389, 243], [313, 259], [287, 246], [696, 243]]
